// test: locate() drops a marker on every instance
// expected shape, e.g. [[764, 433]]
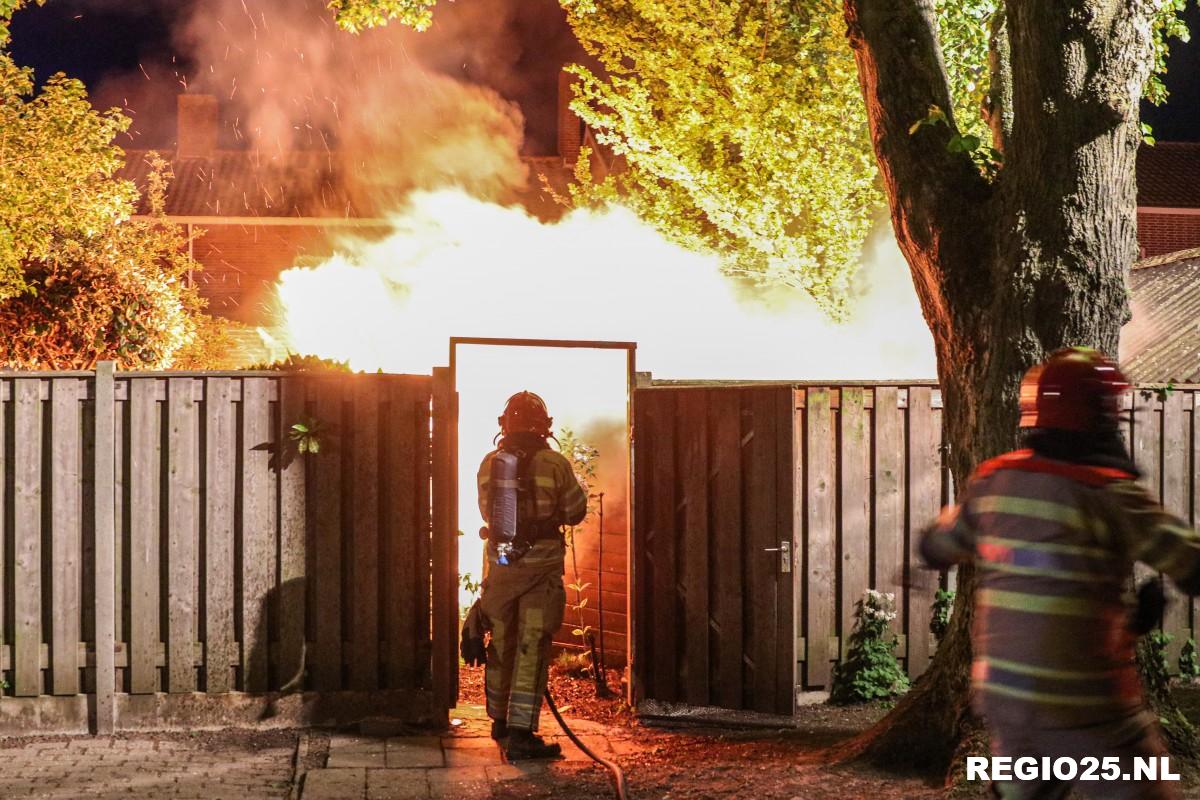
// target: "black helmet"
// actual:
[[525, 412]]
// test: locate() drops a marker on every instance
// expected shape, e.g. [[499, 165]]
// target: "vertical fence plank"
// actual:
[[444, 549], [1193, 402], [890, 463], [66, 533], [799, 526], [219, 476], [664, 624], [1176, 460], [693, 427], [6, 469], [258, 538], [327, 660], [761, 548], [292, 536], [183, 491], [143, 535], [27, 531], [821, 547], [423, 538], [925, 495], [785, 531], [364, 667], [725, 555], [855, 535], [400, 529], [1146, 448], [103, 511]]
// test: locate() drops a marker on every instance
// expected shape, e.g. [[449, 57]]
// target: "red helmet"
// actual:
[[1076, 389], [525, 412]]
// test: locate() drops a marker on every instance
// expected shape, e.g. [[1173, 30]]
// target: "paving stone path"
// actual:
[[223, 766], [464, 763]]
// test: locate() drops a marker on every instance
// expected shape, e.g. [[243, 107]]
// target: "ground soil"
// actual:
[[753, 762], [689, 761]]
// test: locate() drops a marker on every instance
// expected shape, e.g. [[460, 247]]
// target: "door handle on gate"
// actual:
[[785, 555]]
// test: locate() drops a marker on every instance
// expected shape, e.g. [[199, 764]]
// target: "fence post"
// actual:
[[104, 712], [445, 540]]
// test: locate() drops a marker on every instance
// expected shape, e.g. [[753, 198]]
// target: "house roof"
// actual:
[[1168, 175], [298, 183], [1161, 344], [244, 183]]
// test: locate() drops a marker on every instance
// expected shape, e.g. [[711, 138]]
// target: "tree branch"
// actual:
[[936, 196], [1000, 106]]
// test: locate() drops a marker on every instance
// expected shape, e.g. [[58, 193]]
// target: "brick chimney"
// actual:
[[570, 127], [196, 136]]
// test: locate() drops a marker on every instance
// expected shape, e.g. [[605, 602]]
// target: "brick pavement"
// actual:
[[464, 763], [227, 765]]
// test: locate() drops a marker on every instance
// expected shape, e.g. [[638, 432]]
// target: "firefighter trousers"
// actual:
[[523, 603]]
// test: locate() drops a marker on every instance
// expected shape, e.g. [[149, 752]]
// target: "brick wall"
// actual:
[[1166, 233]]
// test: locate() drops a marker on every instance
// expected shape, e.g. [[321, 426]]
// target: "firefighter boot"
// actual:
[[523, 744]]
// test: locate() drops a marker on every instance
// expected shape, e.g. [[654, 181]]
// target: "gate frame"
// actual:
[[445, 573]]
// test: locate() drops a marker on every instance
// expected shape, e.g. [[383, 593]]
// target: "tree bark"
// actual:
[[1009, 270]]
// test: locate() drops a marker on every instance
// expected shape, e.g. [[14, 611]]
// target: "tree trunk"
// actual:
[[1008, 270]]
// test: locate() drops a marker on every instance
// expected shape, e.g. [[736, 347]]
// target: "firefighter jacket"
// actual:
[[1055, 543], [554, 496]]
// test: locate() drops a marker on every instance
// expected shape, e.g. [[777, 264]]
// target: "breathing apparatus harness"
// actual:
[[525, 426], [513, 525]]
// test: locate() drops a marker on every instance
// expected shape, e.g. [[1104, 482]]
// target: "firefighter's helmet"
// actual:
[[1075, 389], [525, 412]]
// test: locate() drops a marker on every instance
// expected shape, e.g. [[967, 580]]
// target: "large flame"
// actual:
[[458, 266]]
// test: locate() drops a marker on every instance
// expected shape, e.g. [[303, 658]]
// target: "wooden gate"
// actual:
[[712, 547], [163, 534]]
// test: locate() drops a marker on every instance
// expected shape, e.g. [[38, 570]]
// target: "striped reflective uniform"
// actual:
[[1055, 545], [524, 601]]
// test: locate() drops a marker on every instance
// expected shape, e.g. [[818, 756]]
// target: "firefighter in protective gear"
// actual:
[[1054, 530], [523, 600]]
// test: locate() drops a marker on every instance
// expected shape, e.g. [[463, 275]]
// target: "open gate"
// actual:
[[712, 548]]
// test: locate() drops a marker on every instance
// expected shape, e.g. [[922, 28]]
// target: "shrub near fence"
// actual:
[[234, 563]]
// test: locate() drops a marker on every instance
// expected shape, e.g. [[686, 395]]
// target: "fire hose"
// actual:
[[618, 777]]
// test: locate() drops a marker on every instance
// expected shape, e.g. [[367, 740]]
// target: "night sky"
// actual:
[[97, 39]]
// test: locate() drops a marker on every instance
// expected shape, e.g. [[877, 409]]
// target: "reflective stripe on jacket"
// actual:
[[1055, 545]]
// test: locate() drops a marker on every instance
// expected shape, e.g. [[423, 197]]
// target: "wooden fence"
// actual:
[[865, 473], [163, 535]]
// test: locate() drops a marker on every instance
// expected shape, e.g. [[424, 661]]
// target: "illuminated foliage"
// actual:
[[57, 162], [743, 130], [741, 125], [357, 15], [117, 294], [80, 279]]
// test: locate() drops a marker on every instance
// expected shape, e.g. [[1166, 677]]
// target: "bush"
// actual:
[[1152, 658], [1189, 665], [118, 294], [299, 363], [870, 670], [943, 605]]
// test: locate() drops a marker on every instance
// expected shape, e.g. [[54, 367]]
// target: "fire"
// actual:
[[458, 266], [455, 265]]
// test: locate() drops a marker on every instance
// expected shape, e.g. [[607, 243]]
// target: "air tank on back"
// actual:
[[502, 519]]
